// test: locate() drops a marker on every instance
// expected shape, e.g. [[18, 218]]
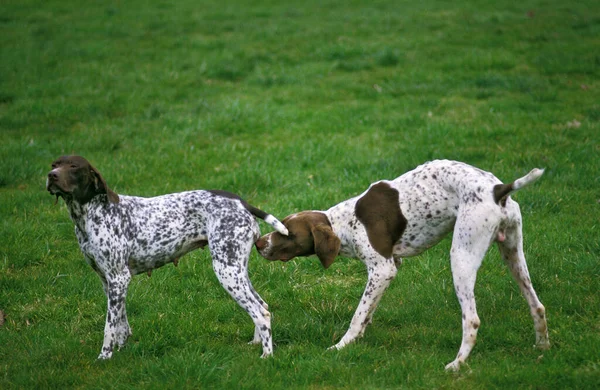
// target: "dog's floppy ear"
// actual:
[[102, 188], [327, 244]]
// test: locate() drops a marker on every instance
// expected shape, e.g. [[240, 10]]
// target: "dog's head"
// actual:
[[309, 233], [75, 179]]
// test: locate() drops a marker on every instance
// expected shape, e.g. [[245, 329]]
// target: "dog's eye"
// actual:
[[73, 166]]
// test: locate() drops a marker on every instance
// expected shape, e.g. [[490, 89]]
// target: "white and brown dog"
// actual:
[[406, 216]]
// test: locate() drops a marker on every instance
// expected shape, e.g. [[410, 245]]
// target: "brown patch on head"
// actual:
[[309, 233], [76, 178], [379, 211], [102, 188]]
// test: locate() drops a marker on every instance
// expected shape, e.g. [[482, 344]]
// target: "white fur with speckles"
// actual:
[[138, 235]]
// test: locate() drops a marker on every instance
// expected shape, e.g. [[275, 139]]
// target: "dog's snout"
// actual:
[[52, 175]]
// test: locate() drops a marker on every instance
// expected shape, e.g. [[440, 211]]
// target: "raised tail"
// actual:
[[268, 218], [502, 191]]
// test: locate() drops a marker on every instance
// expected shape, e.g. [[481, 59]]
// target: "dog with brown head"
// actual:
[[74, 179], [310, 233]]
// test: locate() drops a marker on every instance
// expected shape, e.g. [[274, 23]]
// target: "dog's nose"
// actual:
[[260, 244], [52, 175]]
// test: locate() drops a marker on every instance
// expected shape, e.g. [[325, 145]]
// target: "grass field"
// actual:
[[298, 105]]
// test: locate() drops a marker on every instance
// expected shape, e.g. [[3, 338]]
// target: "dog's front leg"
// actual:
[[116, 329], [381, 272]]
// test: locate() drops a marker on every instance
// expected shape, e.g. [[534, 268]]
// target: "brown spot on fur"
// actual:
[[500, 193], [380, 213]]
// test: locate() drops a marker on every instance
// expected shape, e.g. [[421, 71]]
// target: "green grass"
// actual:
[[298, 105]]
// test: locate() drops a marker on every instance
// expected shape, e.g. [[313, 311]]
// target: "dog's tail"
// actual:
[[502, 191], [268, 218]]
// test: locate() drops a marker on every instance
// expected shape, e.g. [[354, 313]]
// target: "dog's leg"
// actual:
[[473, 233], [381, 271], [512, 253], [256, 339], [233, 276], [115, 332], [123, 328]]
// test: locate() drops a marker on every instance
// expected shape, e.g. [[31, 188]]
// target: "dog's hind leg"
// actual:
[[257, 339], [512, 253], [232, 273], [473, 233]]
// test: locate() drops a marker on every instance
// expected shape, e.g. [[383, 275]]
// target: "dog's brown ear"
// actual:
[[327, 244], [101, 186]]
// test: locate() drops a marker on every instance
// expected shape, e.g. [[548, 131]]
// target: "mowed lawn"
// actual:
[[299, 105]]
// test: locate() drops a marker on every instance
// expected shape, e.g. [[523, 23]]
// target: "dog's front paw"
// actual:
[[543, 344], [104, 355], [336, 347], [122, 337], [453, 366], [266, 354]]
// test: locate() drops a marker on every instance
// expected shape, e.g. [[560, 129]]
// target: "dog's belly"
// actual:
[[422, 235], [155, 257]]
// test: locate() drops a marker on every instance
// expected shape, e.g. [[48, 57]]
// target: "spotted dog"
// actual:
[[406, 216], [121, 236]]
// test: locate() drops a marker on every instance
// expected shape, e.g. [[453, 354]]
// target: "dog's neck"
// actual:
[[78, 211], [336, 216]]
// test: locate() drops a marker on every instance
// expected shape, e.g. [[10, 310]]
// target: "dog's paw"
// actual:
[[266, 355], [105, 355], [453, 366], [542, 345], [336, 347]]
